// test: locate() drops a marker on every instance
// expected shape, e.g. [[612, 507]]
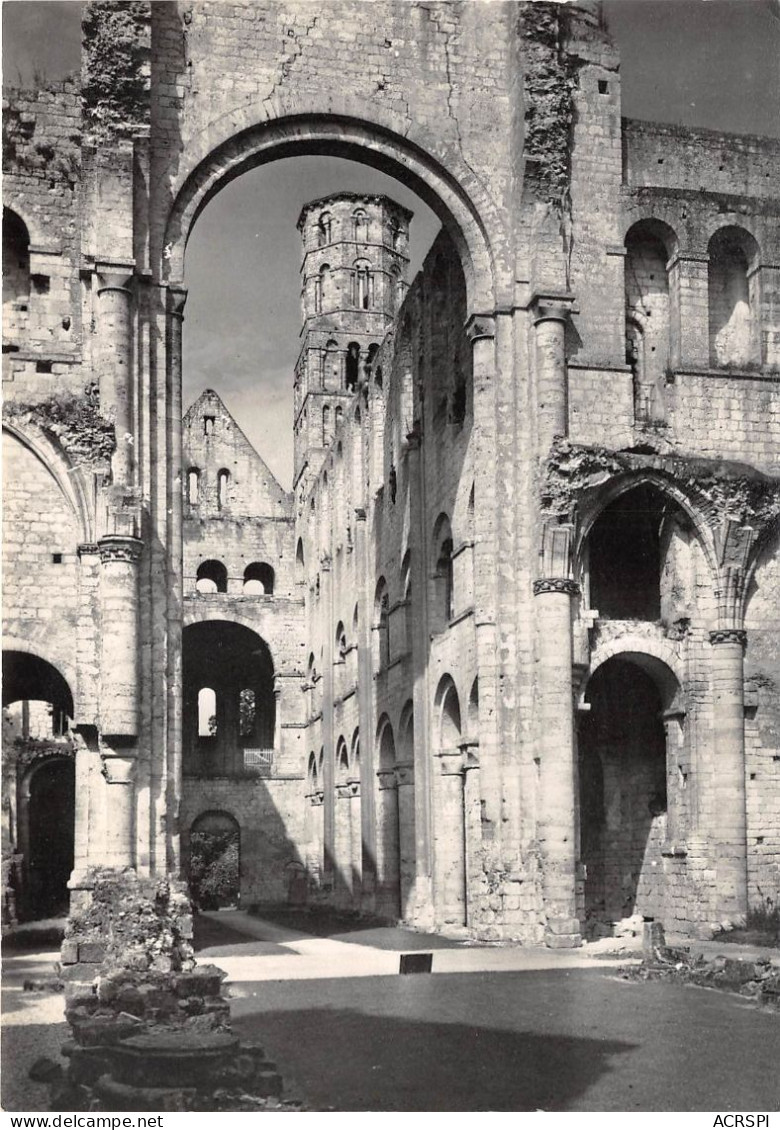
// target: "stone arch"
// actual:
[[621, 484], [630, 745], [62, 471], [65, 671], [245, 144], [214, 859], [449, 725], [659, 658]]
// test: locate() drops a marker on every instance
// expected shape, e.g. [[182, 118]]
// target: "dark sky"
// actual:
[[712, 63]]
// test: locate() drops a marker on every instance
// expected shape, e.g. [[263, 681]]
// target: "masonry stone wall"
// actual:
[[430, 630]]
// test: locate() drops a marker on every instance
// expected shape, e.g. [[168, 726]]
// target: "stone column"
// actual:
[[317, 828], [450, 841], [119, 772], [551, 314], [119, 645], [341, 852], [365, 685], [114, 323], [407, 863], [557, 759], [387, 858], [328, 768], [415, 778], [356, 840], [472, 824], [176, 299], [729, 830]]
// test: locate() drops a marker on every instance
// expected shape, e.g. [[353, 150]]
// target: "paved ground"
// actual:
[[492, 1029]]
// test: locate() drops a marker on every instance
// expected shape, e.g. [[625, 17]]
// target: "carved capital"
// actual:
[[325, 563], [386, 779], [119, 547], [177, 298], [729, 635], [114, 276], [404, 773], [552, 307], [318, 798], [480, 326], [88, 549], [118, 770], [360, 514], [556, 584]]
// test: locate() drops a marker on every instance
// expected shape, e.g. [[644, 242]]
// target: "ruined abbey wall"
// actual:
[[553, 477]]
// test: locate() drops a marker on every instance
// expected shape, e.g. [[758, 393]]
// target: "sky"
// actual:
[[712, 63]]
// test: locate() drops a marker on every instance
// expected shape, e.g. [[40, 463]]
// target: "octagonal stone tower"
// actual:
[[353, 280]]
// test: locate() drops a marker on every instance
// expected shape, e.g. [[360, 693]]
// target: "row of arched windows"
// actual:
[[194, 486], [212, 576], [357, 228], [659, 312], [362, 288], [208, 715]]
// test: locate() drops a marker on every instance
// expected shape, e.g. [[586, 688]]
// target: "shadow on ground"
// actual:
[[322, 922], [347, 1061]]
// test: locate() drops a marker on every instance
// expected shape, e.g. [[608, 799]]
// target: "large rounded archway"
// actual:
[[623, 777], [38, 783], [229, 703]]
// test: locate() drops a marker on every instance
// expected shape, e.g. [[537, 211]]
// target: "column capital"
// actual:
[[480, 326], [117, 770], [386, 779], [119, 547], [114, 276], [88, 549], [550, 306], [404, 773], [729, 635], [318, 798], [563, 585], [360, 514], [325, 563], [177, 297]]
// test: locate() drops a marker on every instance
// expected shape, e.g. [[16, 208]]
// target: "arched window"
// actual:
[[406, 588], [449, 716], [326, 432], [733, 299], [223, 482], [339, 418], [381, 625], [352, 365], [322, 296], [211, 577], [395, 234], [324, 229], [331, 366], [193, 486], [341, 642], [300, 563], [360, 225], [259, 579], [362, 285], [207, 712], [16, 277], [650, 244], [443, 579]]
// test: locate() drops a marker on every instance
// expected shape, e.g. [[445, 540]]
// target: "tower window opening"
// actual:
[[352, 365], [324, 229], [193, 485], [223, 481], [360, 225], [247, 709], [207, 712], [208, 425], [259, 579], [211, 577]]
